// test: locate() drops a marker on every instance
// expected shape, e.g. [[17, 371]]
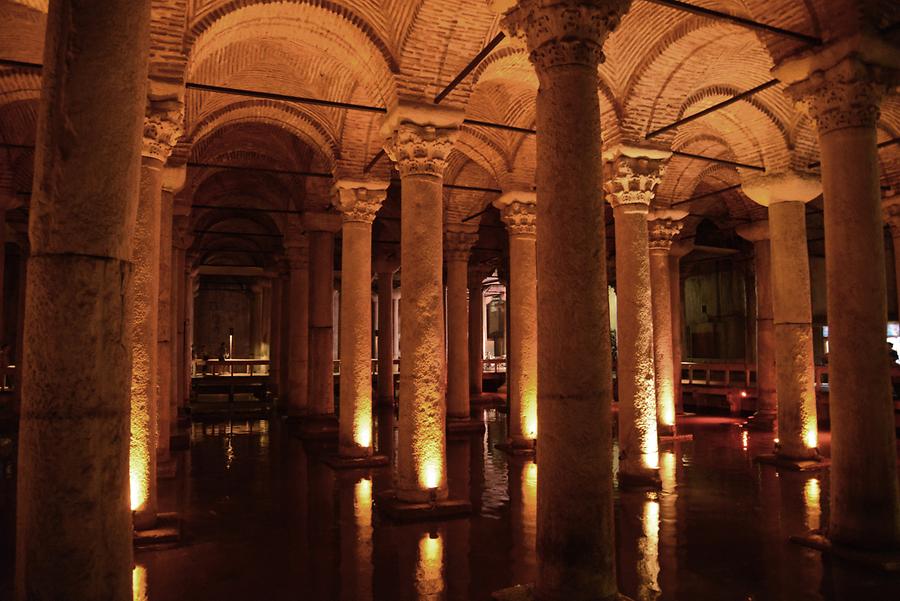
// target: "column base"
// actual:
[[637, 482], [336, 462], [318, 427], [180, 441], [464, 426], [885, 561], [388, 504], [671, 434], [525, 592], [760, 422], [518, 448], [167, 530], [794, 465]]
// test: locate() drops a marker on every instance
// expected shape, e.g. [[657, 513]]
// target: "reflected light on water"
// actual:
[[429, 571], [529, 504], [745, 439], [812, 494], [362, 510], [139, 583], [648, 554]]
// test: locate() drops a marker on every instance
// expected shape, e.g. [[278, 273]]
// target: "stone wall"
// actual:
[[218, 309]]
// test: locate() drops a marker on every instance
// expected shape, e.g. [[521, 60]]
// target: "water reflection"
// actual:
[[648, 553], [139, 583], [430, 568], [812, 493]]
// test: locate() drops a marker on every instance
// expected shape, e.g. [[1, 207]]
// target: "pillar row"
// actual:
[[457, 248], [664, 226], [321, 228], [295, 331], [476, 329], [419, 140], [630, 186], [785, 195], [520, 216], [358, 203], [386, 265]]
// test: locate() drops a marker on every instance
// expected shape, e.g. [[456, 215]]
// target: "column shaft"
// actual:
[[792, 309], [458, 339], [523, 347], [765, 334], [677, 327], [73, 525], [164, 341], [385, 338], [276, 349], [179, 360], [355, 427], [476, 337], [298, 345], [665, 369], [321, 323]]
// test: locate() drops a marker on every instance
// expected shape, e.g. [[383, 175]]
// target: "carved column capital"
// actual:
[[632, 181], [890, 209], [663, 227], [163, 126], [458, 244], [420, 149], [564, 32], [359, 201], [520, 218]]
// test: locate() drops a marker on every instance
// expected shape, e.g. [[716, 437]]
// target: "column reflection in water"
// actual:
[[430, 568], [812, 494], [523, 513], [139, 583], [356, 542], [668, 524], [648, 552]]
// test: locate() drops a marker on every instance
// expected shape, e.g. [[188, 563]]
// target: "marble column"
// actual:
[[265, 319], [256, 319], [630, 186], [519, 214], [164, 335], [890, 208], [663, 227], [385, 266], [192, 288], [276, 327], [358, 203], [419, 140], [321, 229], [295, 324], [476, 332], [565, 43], [457, 248], [73, 525], [785, 194], [162, 128], [843, 90], [766, 400], [679, 249], [181, 355]]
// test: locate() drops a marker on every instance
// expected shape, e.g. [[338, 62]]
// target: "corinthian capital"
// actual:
[[565, 32], [419, 137], [458, 244], [517, 210], [359, 201], [663, 227], [163, 126], [890, 209], [632, 180]]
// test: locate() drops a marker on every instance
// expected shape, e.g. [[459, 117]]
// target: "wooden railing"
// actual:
[[231, 367]]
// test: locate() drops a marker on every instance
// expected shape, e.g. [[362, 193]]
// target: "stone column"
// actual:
[[679, 249], [265, 317], [385, 266], [192, 288], [181, 354], [276, 326], [890, 208], [358, 202], [476, 332], [256, 319], [295, 324], [519, 215], [73, 525], [663, 227], [785, 195], [766, 403], [457, 248], [574, 406], [162, 128], [630, 187], [321, 229], [419, 140], [843, 90]]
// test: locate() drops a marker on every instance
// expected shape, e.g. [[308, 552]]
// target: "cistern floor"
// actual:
[[265, 520]]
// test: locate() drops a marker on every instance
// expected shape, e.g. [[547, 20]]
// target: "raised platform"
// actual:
[[885, 561], [336, 462], [794, 465], [400, 511], [525, 592], [167, 531], [515, 450]]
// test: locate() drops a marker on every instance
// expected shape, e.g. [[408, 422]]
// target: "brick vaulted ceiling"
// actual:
[[661, 65]]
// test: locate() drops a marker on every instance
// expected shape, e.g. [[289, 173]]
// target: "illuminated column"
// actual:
[[630, 186], [843, 90], [420, 137], [294, 323], [663, 228], [181, 351], [518, 213], [767, 408], [679, 249], [565, 44], [162, 128], [457, 247], [73, 526], [385, 266], [321, 228], [890, 209], [358, 202], [795, 380], [476, 331]]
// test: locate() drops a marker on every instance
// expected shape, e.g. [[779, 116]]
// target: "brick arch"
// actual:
[[296, 121], [17, 85], [318, 26], [459, 204], [484, 150], [38, 5]]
